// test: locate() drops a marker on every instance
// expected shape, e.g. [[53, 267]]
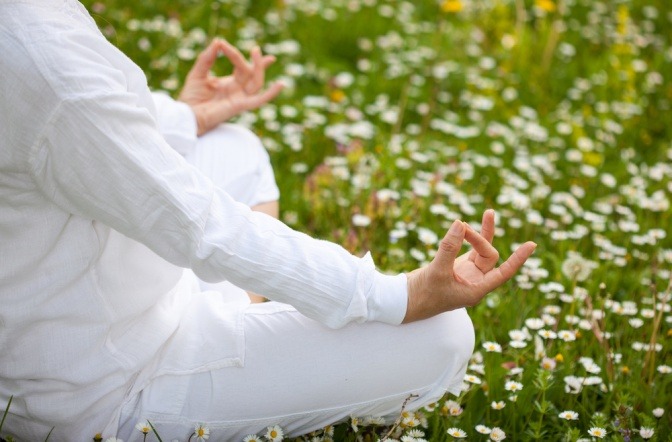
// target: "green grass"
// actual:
[[558, 119]]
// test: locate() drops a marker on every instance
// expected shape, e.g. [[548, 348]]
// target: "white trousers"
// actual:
[[298, 373]]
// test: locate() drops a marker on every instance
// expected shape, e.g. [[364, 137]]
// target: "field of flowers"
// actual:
[[399, 117]]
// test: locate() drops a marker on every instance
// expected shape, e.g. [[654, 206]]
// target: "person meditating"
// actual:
[[128, 241]]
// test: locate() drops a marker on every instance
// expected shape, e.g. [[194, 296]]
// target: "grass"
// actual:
[[402, 116]]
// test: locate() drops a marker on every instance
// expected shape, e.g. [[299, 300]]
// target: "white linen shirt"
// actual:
[[98, 218]]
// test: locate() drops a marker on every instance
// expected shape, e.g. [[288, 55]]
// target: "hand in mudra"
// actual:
[[215, 100], [449, 282]]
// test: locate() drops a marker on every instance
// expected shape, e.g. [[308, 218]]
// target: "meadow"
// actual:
[[399, 117]]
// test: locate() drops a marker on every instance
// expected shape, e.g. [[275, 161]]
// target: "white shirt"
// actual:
[[98, 218]]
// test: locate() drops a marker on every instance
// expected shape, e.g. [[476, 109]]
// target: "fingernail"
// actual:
[[456, 227]]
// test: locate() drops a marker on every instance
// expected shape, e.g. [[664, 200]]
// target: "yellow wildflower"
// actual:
[[337, 96], [545, 5], [452, 6]]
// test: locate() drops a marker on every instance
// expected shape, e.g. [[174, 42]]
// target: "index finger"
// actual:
[[481, 246], [235, 57], [508, 269], [488, 225]]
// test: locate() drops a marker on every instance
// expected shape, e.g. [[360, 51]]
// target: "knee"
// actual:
[[450, 344], [457, 337], [241, 138]]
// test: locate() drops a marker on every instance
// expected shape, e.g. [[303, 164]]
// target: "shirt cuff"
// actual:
[[389, 299]]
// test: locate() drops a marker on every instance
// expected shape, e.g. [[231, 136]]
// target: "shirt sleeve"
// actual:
[[101, 157], [176, 122]]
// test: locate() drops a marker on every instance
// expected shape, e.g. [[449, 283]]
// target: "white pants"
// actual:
[[298, 373]]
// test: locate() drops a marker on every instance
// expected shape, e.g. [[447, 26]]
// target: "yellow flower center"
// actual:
[[274, 434], [200, 432]]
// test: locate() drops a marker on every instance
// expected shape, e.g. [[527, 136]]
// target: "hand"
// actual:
[[215, 100], [449, 282]]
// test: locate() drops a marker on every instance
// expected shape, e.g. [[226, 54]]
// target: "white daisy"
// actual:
[[498, 405], [472, 379], [646, 433], [274, 433], [664, 369], [548, 363], [567, 335], [513, 386], [492, 347], [569, 415], [201, 432], [483, 429], [457, 433], [597, 432], [252, 438], [497, 434], [415, 432], [547, 334], [143, 427]]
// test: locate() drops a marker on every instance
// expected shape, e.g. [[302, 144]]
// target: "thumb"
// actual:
[[450, 246]]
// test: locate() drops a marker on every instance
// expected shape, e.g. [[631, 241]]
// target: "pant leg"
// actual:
[[235, 160], [304, 376]]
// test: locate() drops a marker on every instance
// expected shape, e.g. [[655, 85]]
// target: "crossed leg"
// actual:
[[303, 376]]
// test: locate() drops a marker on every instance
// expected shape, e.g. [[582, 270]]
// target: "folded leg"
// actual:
[[304, 376]]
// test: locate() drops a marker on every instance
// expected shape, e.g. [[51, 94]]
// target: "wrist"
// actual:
[[201, 120]]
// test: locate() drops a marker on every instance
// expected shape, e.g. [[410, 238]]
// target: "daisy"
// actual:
[[513, 386], [201, 432], [547, 334], [548, 364], [597, 432], [453, 408], [360, 220], [498, 405], [274, 433], [569, 415], [567, 335], [492, 347], [373, 420], [354, 423], [646, 433], [534, 323], [143, 427], [457, 433], [432, 406], [410, 421], [478, 368], [472, 379], [497, 434], [415, 432], [252, 438], [483, 429]]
